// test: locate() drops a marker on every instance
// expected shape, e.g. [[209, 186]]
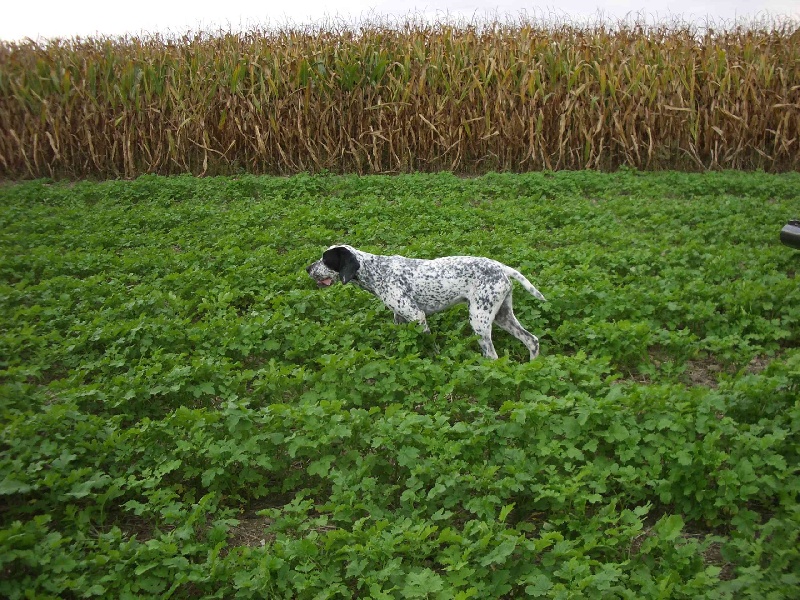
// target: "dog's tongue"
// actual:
[[325, 282]]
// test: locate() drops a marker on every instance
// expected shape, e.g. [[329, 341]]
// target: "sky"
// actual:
[[47, 19]]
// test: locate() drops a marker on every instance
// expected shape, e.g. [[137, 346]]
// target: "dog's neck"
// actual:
[[364, 277]]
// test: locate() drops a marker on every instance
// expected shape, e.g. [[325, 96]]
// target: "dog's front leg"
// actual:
[[405, 312]]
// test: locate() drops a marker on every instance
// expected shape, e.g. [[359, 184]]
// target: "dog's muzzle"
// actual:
[[322, 279]]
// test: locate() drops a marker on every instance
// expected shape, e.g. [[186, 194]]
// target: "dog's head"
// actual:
[[337, 262]]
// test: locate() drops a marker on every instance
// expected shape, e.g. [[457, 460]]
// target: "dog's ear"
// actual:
[[341, 260]]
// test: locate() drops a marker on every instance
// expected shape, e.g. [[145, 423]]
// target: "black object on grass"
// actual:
[[790, 234]]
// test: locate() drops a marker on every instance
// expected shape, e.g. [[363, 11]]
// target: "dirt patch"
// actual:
[[704, 372], [633, 378], [758, 364], [252, 530], [712, 555], [696, 372], [139, 527]]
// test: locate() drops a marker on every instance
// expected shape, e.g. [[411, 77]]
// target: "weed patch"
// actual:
[[184, 413]]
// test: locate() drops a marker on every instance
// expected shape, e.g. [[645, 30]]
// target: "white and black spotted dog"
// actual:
[[413, 288]]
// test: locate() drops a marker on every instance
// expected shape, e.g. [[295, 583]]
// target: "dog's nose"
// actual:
[[308, 269]]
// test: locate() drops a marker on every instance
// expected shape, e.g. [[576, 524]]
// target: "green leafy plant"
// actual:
[[186, 415]]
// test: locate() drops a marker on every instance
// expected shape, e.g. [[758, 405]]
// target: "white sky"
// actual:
[[65, 19]]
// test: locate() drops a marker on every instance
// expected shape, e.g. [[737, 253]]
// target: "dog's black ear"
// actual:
[[341, 260]]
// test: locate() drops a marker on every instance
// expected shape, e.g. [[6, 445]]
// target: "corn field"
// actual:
[[417, 97]]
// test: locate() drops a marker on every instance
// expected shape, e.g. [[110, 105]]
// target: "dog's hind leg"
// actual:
[[482, 325], [506, 320]]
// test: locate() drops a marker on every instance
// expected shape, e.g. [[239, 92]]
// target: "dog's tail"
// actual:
[[514, 274]]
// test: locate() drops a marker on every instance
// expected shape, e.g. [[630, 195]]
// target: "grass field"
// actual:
[[185, 414]]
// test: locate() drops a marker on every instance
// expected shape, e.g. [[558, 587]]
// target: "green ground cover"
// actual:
[[185, 414]]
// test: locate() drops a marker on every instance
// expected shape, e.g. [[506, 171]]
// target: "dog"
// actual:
[[414, 288]]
